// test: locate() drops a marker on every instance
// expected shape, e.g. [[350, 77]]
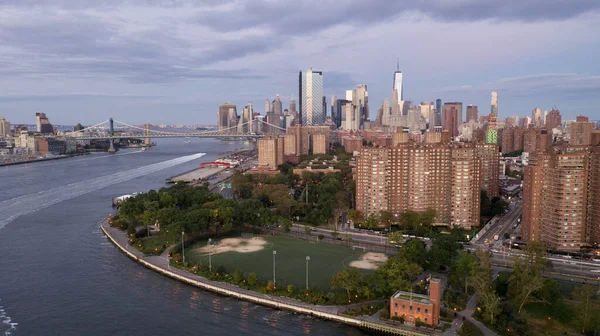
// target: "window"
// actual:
[[426, 312], [418, 310]]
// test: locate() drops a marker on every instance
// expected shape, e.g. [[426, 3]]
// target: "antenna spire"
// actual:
[[398, 64]]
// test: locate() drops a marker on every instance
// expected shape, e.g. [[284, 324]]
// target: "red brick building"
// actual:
[[417, 306]]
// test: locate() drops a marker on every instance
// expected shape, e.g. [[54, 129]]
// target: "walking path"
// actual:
[[467, 314], [161, 265]]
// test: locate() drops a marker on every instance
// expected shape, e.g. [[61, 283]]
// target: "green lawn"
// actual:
[[290, 262]]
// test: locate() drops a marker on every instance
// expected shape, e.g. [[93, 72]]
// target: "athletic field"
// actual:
[[256, 255]]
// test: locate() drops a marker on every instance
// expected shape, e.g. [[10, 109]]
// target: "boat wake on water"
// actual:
[[26, 204], [6, 323]]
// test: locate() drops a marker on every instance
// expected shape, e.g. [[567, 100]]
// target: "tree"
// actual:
[[527, 274], [238, 276], [584, 296], [252, 279], [395, 237], [291, 289], [349, 279], [399, 272], [270, 286], [464, 269], [414, 251], [371, 222], [485, 289], [386, 218], [355, 216]]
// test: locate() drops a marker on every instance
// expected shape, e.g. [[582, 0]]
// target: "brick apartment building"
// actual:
[[446, 177], [560, 203]]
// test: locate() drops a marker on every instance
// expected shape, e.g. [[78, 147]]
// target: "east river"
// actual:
[[59, 275]]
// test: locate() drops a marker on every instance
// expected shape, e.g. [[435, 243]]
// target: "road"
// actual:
[[358, 237], [502, 226]]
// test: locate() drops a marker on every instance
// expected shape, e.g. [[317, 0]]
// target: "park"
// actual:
[[287, 255]]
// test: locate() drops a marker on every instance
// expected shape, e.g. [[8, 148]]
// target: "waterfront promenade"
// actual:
[[161, 264]]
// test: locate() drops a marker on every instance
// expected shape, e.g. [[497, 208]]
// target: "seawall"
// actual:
[[246, 295]]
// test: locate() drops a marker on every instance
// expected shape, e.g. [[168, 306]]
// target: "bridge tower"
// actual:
[[111, 140], [147, 141]]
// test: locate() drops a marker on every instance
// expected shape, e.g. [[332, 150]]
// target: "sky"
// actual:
[[175, 61]]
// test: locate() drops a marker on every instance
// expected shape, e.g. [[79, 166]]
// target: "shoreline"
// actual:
[[41, 160], [161, 265]]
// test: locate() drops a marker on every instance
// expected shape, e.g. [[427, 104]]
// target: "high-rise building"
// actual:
[[438, 107], [415, 176], [270, 152], [304, 137], [494, 104], [293, 105], [319, 142], [311, 98], [580, 132], [42, 123], [525, 122], [537, 117], [472, 113], [360, 99], [386, 112], [426, 109], [335, 114], [4, 127], [452, 117], [489, 156], [559, 195], [227, 117], [397, 88], [553, 119]]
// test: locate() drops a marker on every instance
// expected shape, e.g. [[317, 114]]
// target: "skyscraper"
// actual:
[[398, 83], [560, 205], [413, 176], [491, 135], [227, 116], [4, 127], [452, 117], [42, 123], [580, 132], [494, 104], [537, 117], [553, 119], [438, 107], [311, 97], [293, 105], [472, 113]]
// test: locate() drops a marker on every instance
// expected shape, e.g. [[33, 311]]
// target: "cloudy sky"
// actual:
[[176, 61]]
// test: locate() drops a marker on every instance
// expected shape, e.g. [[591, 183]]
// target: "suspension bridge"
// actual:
[[113, 129]]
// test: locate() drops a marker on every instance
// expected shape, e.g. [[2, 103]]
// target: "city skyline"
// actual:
[[156, 65]]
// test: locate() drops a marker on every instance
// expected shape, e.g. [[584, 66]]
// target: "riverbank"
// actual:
[[58, 157], [161, 265]]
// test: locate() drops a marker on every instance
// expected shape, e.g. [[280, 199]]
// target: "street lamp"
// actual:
[[210, 255], [307, 260], [274, 279], [182, 247]]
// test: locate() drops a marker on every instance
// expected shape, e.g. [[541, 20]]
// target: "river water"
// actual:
[[59, 275]]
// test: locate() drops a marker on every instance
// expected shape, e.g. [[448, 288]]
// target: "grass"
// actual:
[[325, 261]]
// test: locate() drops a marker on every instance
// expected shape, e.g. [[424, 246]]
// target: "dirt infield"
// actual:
[[369, 261], [241, 245]]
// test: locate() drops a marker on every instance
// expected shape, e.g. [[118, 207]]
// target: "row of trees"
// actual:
[[314, 198], [193, 210]]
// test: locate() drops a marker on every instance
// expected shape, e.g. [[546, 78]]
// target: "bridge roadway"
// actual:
[[174, 135]]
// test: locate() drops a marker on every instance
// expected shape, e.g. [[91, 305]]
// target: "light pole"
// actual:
[[182, 247], [307, 260], [210, 255], [274, 279]]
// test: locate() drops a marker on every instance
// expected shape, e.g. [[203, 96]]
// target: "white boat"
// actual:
[[144, 149]]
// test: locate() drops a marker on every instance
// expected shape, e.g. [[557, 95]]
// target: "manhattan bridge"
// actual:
[[113, 130]]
